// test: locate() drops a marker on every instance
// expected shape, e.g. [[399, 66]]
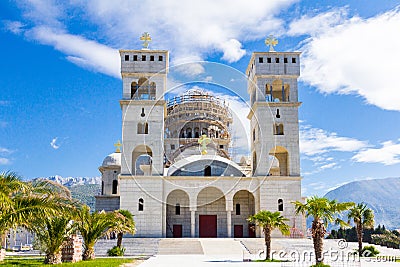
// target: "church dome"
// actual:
[[113, 159]]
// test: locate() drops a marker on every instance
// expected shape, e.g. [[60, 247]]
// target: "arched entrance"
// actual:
[[211, 210], [243, 207], [178, 214]]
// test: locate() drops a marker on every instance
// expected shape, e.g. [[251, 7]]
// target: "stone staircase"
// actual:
[[180, 246], [133, 246]]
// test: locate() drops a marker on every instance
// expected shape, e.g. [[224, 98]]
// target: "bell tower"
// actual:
[[272, 85], [144, 75]]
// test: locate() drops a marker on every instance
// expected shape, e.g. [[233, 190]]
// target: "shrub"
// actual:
[[116, 251], [320, 265], [369, 251]]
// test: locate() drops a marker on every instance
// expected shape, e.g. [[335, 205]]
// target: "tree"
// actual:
[[124, 224], [22, 203], [363, 217], [323, 211], [51, 233], [269, 221], [93, 226]]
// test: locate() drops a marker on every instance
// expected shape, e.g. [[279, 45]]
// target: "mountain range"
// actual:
[[381, 195]]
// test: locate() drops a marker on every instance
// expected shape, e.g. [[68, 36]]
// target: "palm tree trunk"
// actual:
[[267, 238], [88, 254], [318, 232], [53, 258], [119, 239], [360, 237]]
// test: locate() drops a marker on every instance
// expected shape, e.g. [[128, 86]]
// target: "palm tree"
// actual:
[[323, 211], [123, 224], [21, 203], [269, 221], [51, 233], [363, 217], [93, 226]]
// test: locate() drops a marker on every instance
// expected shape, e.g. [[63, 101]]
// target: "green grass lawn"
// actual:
[[38, 261]]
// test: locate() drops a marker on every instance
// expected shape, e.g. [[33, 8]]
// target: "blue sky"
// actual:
[[60, 84]]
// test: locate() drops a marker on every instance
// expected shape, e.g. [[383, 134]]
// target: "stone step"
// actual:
[[181, 246], [133, 246]]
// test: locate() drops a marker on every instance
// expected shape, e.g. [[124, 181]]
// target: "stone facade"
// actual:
[[175, 191]]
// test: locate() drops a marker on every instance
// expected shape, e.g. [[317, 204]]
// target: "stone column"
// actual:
[[192, 223], [229, 223]]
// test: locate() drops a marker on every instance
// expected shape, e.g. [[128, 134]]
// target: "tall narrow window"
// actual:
[[260, 60], [102, 187], [285, 60], [237, 209], [280, 204], [277, 60], [160, 58], [115, 187], [177, 209], [293, 60], [268, 59], [134, 57], [254, 134], [207, 170], [151, 58], [141, 204], [143, 57]]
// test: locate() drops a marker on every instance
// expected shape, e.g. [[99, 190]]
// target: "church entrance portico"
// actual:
[[212, 216]]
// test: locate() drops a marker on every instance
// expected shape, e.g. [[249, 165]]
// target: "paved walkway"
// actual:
[[231, 252]]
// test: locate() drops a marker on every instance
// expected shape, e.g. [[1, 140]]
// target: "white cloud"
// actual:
[[15, 27], [232, 50], [315, 141], [208, 79], [5, 161], [83, 52], [387, 154], [186, 28], [54, 144], [4, 152], [358, 56], [318, 23], [328, 166]]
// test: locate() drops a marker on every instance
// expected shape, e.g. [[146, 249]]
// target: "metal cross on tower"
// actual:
[[118, 147], [271, 41], [146, 38]]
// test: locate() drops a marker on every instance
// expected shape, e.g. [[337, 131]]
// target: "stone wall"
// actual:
[[72, 249]]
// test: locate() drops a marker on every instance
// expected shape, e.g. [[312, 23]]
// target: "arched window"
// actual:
[[115, 187], [177, 209], [141, 204], [278, 129], [196, 132], [238, 209], [280, 204], [189, 132]]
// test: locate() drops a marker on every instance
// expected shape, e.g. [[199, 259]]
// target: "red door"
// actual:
[[252, 230], [208, 225], [238, 230], [177, 229]]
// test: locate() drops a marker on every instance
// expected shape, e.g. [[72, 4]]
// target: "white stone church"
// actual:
[[174, 172]]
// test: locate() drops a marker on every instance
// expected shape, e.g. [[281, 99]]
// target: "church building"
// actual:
[[174, 172]]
